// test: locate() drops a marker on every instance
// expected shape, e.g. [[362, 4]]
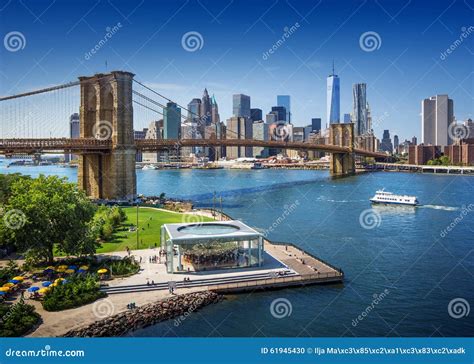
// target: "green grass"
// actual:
[[149, 230]]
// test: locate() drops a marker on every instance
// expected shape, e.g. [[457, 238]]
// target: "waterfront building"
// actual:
[[437, 113], [260, 132], [461, 153], [154, 131], [241, 105], [139, 134], [316, 124], [333, 98], [239, 128], [359, 108], [284, 101], [280, 112], [395, 143], [421, 154], [256, 114], [386, 145], [74, 132]]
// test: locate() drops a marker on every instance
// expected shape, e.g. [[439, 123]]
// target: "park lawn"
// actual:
[[149, 230]]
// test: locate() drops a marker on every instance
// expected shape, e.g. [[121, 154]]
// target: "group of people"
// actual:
[[215, 259]]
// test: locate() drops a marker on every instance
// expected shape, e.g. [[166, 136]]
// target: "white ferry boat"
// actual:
[[384, 197], [148, 167]]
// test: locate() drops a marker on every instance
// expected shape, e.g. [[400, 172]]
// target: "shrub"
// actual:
[[78, 291], [123, 266], [18, 319]]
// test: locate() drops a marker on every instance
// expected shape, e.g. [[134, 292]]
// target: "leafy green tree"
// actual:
[[49, 212]]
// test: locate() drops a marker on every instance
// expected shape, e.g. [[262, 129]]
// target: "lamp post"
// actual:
[[137, 226]]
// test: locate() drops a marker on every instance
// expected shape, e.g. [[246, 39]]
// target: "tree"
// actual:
[[47, 213]]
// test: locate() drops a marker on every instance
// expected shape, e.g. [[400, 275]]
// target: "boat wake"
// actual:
[[438, 207]]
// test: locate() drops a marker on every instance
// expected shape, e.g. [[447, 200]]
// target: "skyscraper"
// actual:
[[260, 132], [256, 114], [280, 112], [333, 98], [206, 108], [74, 132], [284, 100], [171, 121], [386, 144], [316, 124], [153, 132], [347, 118], [271, 117], [194, 110], [241, 105], [215, 117], [359, 108], [395, 143], [239, 128], [437, 113]]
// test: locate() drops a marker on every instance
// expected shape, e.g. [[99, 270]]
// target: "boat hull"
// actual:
[[394, 203]]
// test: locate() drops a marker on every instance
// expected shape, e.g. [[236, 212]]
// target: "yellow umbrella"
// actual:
[[70, 271], [55, 284], [9, 285], [84, 267], [62, 267], [18, 278], [43, 290], [102, 271], [58, 280], [4, 289], [50, 267]]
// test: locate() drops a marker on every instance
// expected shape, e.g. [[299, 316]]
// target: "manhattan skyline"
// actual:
[[405, 67]]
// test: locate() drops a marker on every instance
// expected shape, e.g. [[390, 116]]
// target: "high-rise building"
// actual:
[[281, 112], [298, 134], [271, 117], [74, 132], [469, 125], [260, 132], [194, 111], [347, 118], [171, 121], [386, 144], [139, 134], [239, 128], [241, 105], [256, 114], [437, 113], [215, 117], [414, 140], [333, 98], [316, 124], [284, 100], [206, 108], [154, 132], [395, 143], [359, 108]]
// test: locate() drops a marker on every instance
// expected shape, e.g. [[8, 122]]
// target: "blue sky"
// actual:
[[405, 68]]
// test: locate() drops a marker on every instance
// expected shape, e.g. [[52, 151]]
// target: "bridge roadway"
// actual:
[[95, 146]]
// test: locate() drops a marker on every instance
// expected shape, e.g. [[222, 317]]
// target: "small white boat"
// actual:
[[384, 197], [149, 166]]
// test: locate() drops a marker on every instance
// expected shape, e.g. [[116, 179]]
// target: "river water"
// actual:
[[409, 271]]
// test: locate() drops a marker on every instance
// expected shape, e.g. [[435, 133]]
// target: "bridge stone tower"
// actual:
[[342, 135], [106, 113]]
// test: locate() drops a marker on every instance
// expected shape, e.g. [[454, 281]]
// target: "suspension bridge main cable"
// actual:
[[40, 91]]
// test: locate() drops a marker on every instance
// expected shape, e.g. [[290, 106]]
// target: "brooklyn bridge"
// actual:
[[107, 148]]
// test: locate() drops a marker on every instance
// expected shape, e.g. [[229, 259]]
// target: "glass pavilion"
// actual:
[[211, 245]]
